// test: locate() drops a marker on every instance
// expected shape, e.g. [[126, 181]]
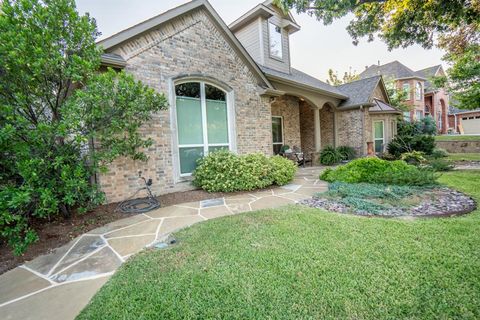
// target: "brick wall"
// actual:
[[350, 130], [307, 127], [288, 108], [187, 45], [327, 126]]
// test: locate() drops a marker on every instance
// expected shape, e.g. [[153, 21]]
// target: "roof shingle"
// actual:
[[359, 92]]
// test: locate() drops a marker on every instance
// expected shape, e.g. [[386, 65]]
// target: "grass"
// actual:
[[301, 263], [464, 156], [457, 138]]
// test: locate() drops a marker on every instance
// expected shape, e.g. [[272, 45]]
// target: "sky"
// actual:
[[314, 49]]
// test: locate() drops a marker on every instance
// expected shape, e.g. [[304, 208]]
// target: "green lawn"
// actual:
[[464, 156], [301, 263], [457, 138]]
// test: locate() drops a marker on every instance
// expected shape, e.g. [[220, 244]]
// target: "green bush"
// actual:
[[330, 156], [374, 170], [440, 165], [402, 144], [223, 171], [439, 153], [282, 170], [415, 157], [347, 153]]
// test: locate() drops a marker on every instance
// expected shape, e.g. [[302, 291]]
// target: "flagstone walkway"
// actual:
[[60, 284]]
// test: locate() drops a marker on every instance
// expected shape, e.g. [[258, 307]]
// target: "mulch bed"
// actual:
[[437, 202], [61, 231]]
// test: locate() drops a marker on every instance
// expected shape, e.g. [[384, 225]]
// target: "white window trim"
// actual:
[[230, 99], [406, 85], [383, 138], [272, 56], [419, 97], [283, 133]]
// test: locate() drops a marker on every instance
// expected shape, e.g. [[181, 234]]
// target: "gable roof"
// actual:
[[156, 21], [359, 92], [382, 107], [429, 73], [394, 69], [299, 77]]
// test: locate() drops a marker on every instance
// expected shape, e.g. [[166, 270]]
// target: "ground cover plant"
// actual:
[[374, 170], [224, 171], [302, 263]]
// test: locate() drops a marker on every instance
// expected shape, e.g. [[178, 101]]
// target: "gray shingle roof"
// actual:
[[455, 110], [392, 69], [382, 107], [358, 92], [304, 79], [428, 73]]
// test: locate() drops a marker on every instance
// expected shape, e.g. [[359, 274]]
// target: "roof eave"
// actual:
[[108, 61], [258, 11], [356, 106], [304, 86]]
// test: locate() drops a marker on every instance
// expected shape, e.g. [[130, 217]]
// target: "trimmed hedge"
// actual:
[[374, 170], [223, 171]]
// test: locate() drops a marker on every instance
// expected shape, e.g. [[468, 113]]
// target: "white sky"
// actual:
[[314, 49]]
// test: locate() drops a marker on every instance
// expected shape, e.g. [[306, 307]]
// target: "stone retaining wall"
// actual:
[[460, 146]]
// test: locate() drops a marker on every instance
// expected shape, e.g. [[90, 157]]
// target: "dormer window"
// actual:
[[275, 33]]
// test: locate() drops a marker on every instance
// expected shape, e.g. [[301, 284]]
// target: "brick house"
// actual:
[[423, 98], [234, 87]]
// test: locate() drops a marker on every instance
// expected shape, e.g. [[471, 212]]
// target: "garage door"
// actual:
[[471, 125]]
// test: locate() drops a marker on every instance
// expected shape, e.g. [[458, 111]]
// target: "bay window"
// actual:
[[202, 122]]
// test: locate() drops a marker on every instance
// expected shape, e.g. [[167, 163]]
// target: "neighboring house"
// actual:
[[421, 96], [464, 121], [233, 87]]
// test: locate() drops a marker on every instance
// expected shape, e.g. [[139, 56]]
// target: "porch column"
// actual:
[[318, 137]]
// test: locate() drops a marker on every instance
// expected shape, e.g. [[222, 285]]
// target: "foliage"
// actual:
[[48, 50], [282, 170], [250, 266], [347, 152], [388, 156], [440, 165], [397, 95], [284, 148], [413, 136], [439, 153], [398, 23], [330, 156], [347, 77], [374, 170], [223, 171], [415, 157]]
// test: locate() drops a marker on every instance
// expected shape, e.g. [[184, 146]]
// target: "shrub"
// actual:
[[387, 156], [347, 153], [401, 144], [223, 171], [282, 170], [439, 153], [440, 165], [330, 156], [374, 170], [415, 157]]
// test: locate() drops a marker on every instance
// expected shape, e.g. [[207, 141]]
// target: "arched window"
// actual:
[[203, 124], [418, 91]]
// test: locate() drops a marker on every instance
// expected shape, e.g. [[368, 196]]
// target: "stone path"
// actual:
[[60, 284]]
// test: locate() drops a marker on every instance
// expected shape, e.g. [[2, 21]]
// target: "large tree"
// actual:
[[452, 25], [54, 103]]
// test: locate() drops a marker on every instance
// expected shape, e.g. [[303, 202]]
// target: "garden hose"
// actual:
[[140, 205]]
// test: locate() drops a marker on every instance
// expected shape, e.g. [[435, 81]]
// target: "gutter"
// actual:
[[109, 61]]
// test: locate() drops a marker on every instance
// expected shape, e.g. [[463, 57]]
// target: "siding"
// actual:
[[249, 37]]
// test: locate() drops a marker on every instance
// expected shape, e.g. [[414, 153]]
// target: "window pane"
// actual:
[[190, 89], [277, 130], [189, 121], [217, 122], [275, 40], [213, 93], [277, 148], [188, 159], [378, 130], [378, 146], [216, 148]]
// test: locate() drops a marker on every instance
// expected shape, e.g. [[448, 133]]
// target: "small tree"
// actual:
[[347, 77], [53, 104]]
